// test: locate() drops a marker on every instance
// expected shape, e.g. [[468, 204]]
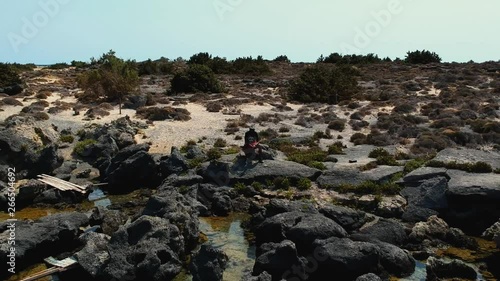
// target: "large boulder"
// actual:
[[94, 255], [278, 206], [109, 220], [438, 269], [175, 163], [436, 228], [348, 218], [208, 264], [301, 228], [493, 233], [47, 236], [345, 258], [351, 175], [473, 201], [132, 168], [466, 155], [425, 199], [416, 177], [385, 230], [150, 248], [278, 259], [368, 277], [178, 209]]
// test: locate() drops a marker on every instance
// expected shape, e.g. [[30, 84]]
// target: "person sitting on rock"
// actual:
[[252, 145]]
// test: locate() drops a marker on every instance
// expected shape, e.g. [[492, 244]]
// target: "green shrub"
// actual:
[[336, 148], [61, 65], [370, 187], [197, 78], [195, 162], [377, 152], [422, 57], [387, 160], [213, 154], [163, 113], [358, 138], [257, 186], [112, 80], [317, 165], [233, 149], [282, 58], [240, 188], [324, 84], [281, 183], [337, 125], [477, 167], [82, 145], [183, 189], [250, 66], [8, 76], [220, 142], [66, 138], [349, 59], [413, 165], [158, 67], [304, 184]]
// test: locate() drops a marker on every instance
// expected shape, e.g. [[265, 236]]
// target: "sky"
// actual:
[[51, 31]]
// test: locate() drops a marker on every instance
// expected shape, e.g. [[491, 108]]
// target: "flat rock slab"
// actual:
[[425, 173], [466, 155], [475, 185], [354, 176]]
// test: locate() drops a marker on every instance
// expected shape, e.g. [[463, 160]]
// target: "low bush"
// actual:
[[337, 125], [11, 101], [82, 145], [163, 113], [358, 138], [413, 165], [422, 57], [477, 167], [213, 154], [304, 184], [324, 84], [336, 148], [66, 138], [428, 142], [214, 106], [220, 142], [197, 78], [378, 152], [370, 187], [281, 183]]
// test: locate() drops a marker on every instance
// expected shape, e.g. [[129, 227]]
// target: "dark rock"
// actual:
[[430, 194], [278, 206], [195, 152], [439, 269], [187, 180], [301, 228], [395, 260], [416, 214], [436, 228], [135, 101], [137, 171], [424, 173], [465, 155], [493, 233], [13, 89], [348, 218], [94, 255], [56, 196], [278, 259], [473, 201], [150, 248], [386, 230], [261, 173], [368, 277], [176, 163], [221, 205], [47, 236], [109, 220], [208, 264], [345, 258], [341, 176], [178, 209]]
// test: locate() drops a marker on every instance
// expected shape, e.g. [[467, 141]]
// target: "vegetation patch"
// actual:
[[477, 167], [163, 113]]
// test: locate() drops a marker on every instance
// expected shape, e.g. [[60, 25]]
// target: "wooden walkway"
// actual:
[[59, 266], [61, 184]]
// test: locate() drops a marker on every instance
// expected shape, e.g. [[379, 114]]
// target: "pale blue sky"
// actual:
[[303, 30]]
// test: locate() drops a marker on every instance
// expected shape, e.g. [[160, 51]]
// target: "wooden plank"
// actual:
[[63, 181], [42, 273], [60, 184]]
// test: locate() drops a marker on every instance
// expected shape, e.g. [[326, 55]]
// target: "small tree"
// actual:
[[325, 84], [8, 76], [282, 58], [422, 57], [197, 78], [112, 80]]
